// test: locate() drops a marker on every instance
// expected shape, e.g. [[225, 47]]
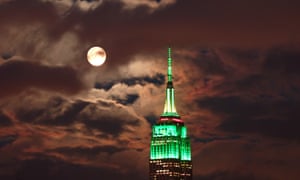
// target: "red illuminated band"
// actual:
[[172, 119]]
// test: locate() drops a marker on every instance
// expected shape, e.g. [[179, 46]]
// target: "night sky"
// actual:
[[236, 67]]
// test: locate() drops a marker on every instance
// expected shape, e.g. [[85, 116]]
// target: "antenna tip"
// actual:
[[169, 52]]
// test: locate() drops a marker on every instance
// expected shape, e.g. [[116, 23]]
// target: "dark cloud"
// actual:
[[89, 0], [245, 54], [30, 115], [229, 105], [273, 77], [194, 23], [276, 119], [215, 138], [7, 55], [248, 159], [130, 99], [66, 117], [269, 74], [88, 152], [283, 61], [157, 80], [109, 123], [112, 121], [58, 111], [106, 85], [197, 23], [17, 76], [43, 167], [210, 63], [21, 13], [57, 117], [5, 120], [5, 140], [224, 175]]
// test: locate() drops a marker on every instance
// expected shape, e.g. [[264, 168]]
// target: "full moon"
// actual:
[[96, 56]]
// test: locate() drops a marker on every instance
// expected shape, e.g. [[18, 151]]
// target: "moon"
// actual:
[[96, 56]]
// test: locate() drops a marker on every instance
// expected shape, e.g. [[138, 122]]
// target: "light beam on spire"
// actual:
[[169, 108]]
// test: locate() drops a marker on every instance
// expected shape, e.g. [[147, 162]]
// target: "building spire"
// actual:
[[169, 65], [170, 109]]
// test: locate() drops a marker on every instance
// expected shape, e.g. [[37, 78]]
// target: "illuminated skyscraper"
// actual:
[[170, 149]]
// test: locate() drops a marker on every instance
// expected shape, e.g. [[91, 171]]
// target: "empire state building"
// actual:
[[170, 149]]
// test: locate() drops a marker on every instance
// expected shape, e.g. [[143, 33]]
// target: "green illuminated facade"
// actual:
[[170, 150]]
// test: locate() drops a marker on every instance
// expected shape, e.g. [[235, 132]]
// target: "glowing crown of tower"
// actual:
[[170, 109]]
